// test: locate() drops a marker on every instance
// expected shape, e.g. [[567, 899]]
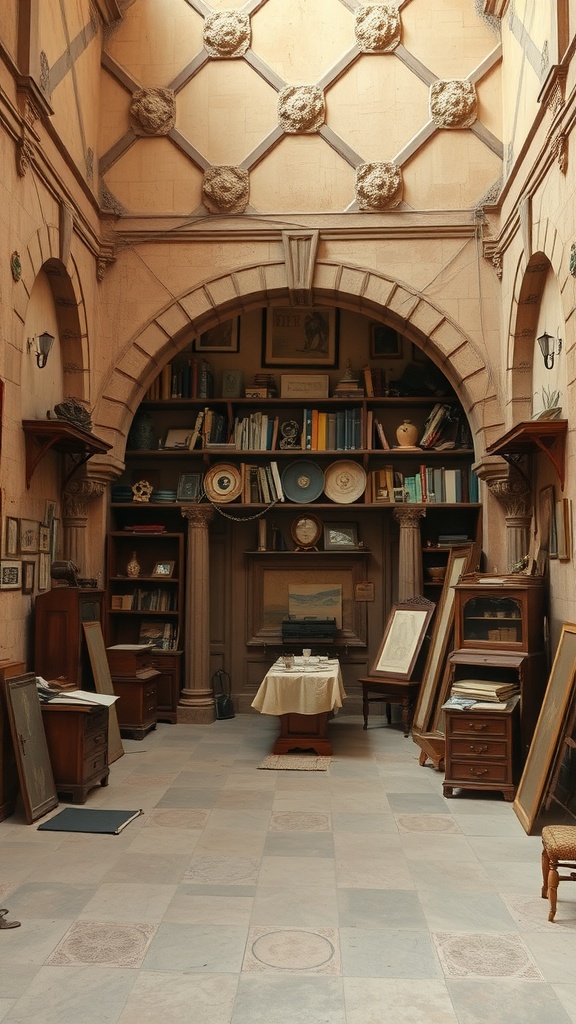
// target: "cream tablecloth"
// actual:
[[305, 690]]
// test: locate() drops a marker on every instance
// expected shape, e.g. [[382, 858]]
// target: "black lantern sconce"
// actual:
[[548, 348], [41, 343]]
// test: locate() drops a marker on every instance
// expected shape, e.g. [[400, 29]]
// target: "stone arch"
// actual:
[[361, 290], [528, 290], [43, 255]]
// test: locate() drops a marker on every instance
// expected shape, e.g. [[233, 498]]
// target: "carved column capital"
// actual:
[[409, 517], [78, 495], [513, 493], [198, 516]]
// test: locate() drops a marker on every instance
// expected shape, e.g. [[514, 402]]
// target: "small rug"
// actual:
[[296, 763], [83, 819]]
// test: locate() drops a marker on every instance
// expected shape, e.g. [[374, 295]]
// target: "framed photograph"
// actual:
[[178, 438], [189, 486], [163, 568], [44, 538], [29, 536], [224, 337], [402, 640], [28, 575], [300, 336], [10, 574], [11, 536], [550, 731], [364, 591], [37, 784], [43, 571], [338, 536], [385, 342]]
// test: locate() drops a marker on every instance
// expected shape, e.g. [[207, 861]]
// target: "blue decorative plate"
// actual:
[[302, 481]]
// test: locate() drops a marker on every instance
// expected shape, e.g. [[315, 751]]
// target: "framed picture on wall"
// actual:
[[300, 336], [10, 574], [29, 536], [28, 575], [44, 538], [11, 536], [385, 342], [225, 337]]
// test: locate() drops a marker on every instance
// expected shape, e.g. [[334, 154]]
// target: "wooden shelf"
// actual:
[[43, 436], [527, 438]]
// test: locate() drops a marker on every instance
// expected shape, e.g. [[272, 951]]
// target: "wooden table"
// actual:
[[304, 697]]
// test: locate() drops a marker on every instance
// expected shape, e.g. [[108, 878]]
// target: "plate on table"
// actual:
[[302, 481], [344, 481]]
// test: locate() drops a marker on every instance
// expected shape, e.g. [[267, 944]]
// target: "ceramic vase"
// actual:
[[407, 434], [142, 435], [133, 567]]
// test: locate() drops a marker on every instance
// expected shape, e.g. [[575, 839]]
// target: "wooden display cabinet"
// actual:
[[482, 749], [149, 608], [77, 738], [505, 613], [60, 650]]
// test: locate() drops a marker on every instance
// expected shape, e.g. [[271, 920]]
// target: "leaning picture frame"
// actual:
[[163, 569], [340, 536], [189, 486], [549, 732], [300, 336], [224, 337], [37, 785], [402, 641]]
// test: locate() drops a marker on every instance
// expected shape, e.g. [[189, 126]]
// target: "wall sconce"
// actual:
[[41, 343], [547, 343]]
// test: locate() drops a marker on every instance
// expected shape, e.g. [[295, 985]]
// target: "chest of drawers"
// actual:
[[482, 750], [137, 703], [77, 738]]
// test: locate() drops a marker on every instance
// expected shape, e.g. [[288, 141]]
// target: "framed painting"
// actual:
[[458, 563], [340, 536], [189, 486], [300, 336], [550, 731], [44, 538], [11, 532], [43, 571], [402, 641], [10, 574], [225, 337], [28, 575], [163, 569], [37, 784], [29, 536], [385, 342]]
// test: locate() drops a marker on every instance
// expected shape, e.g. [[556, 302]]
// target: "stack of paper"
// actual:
[[484, 689]]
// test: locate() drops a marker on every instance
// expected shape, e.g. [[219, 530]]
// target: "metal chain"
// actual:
[[238, 519]]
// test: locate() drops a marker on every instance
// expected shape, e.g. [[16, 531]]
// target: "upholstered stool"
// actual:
[[558, 850]]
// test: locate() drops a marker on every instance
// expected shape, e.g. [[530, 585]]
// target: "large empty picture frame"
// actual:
[[550, 730], [402, 641], [458, 563], [103, 684], [30, 747]]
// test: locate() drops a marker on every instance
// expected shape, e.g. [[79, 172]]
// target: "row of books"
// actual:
[[159, 599], [159, 633], [431, 484], [261, 485], [191, 379]]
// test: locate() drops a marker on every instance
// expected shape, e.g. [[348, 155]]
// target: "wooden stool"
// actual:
[[558, 850]]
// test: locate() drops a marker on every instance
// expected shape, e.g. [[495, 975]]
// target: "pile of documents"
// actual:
[[484, 690]]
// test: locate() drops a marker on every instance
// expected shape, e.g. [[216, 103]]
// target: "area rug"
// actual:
[[296, 763], [83, 819]]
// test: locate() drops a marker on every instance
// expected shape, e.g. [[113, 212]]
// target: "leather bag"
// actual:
[[223, 704]]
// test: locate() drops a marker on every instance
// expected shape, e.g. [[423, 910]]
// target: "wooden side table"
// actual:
[[482, 749], [390, 691], [137, 703], [77, 738]]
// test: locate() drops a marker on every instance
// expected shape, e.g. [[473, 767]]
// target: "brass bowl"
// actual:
[[437, 573]]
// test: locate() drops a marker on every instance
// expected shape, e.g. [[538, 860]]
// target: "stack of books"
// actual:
[[489, 690]]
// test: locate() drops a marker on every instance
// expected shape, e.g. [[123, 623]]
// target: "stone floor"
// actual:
[[355, 895]]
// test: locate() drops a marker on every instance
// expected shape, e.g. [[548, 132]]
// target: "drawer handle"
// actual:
[[478, 748], [477, 726], [478, 771]]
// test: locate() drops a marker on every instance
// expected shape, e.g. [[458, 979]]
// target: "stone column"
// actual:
[[511, 490], [410, 581], [75, 500], [196, 706]]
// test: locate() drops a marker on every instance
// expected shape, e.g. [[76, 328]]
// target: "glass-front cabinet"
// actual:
[[500, 612]]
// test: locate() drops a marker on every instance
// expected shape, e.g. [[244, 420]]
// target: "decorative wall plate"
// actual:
[[223, 483], [344, 481], [302, 481]]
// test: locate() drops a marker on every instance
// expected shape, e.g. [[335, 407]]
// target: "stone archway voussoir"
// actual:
[[378, 291], [197, 305], [353, 282], [173, 319]]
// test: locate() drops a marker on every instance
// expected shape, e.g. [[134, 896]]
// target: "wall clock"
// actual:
[[306, 531]]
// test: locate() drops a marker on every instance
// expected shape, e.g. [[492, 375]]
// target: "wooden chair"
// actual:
[[386, 686], [558, 851]]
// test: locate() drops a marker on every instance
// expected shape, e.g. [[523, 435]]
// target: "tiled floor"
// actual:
[[356, 895]]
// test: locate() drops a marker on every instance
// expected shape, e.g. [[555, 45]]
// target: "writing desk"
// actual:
[[303, 697]]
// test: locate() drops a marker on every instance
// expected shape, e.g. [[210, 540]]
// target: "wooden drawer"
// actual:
[[466, 772], [476, 724], [479, 748]]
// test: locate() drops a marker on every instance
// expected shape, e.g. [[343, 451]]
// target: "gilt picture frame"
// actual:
[[402, 641]]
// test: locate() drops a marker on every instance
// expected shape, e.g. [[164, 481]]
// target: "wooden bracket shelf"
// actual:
[[42, 436], [548, 436]]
